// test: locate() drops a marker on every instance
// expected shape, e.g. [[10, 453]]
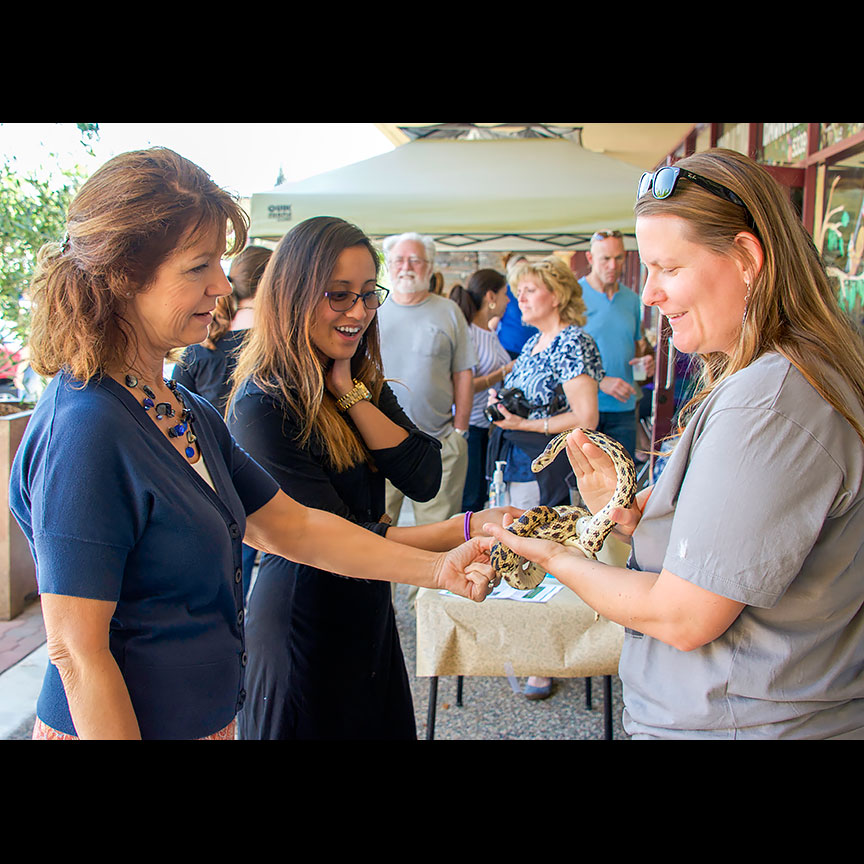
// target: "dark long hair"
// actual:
[[246, 272], [470, 299], [279, 354]]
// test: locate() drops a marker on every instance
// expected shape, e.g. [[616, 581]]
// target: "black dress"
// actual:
[[324, 658], [206, 372]]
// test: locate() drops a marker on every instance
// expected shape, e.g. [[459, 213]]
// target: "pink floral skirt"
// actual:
[[41, 732]]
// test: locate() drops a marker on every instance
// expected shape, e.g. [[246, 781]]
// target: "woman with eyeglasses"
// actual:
[[310, 403], [743, 601]]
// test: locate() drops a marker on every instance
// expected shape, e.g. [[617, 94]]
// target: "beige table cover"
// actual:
[[559, 638]]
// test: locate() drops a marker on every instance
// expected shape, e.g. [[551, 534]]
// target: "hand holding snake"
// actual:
[[562, 524]]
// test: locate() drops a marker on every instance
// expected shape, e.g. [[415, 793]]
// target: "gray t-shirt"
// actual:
[[422, 347], [760, 502]]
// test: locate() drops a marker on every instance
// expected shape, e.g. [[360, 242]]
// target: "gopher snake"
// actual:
[[561, 523]]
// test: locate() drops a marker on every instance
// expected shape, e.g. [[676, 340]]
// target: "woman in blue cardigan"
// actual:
[[133, 495]]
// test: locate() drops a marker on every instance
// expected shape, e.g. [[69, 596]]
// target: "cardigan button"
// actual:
[[238, 575], [244, 659], [240, 617], [234, 529]]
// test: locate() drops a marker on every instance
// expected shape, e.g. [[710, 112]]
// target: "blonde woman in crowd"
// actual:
[[557, 372]]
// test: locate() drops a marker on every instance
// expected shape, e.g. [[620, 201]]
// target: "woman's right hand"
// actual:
[[338, 379], [596, 477]]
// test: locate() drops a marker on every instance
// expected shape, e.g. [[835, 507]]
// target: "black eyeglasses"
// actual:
[[342, 301], [662, 182]]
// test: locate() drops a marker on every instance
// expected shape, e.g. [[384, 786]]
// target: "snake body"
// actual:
[[562, 523]]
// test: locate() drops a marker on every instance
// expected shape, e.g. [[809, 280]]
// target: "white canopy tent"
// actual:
[[519, 194]]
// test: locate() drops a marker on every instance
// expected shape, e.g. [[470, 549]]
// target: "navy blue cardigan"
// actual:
[[113, 512]]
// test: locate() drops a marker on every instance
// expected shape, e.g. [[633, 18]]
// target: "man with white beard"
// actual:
[[427, 346]]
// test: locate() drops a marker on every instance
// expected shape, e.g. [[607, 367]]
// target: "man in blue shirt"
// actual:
[[614, 319]]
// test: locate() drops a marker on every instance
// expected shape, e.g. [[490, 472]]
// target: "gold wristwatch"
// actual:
[[352, 397]]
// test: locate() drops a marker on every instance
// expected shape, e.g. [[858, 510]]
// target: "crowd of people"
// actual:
[[308, 401]]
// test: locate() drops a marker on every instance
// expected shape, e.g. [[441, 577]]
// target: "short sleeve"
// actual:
[[752, 503], [465, 354], [578, 355], [86, 513]]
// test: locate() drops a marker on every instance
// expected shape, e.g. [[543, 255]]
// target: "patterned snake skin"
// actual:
[[561, 523]]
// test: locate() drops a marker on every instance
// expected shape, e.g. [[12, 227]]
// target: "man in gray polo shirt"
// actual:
[[427, 347]]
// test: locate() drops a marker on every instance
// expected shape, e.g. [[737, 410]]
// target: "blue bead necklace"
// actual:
[[165, 409]]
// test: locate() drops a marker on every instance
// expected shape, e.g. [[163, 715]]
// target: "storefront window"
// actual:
[[783, 143], [703, 138], [734, 136], [831, 133], [841, 236]]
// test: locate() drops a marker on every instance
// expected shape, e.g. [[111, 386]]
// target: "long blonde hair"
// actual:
[[279, 354], [792, 308]]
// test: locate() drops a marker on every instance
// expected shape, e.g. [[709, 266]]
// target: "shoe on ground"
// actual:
[[534, 692]]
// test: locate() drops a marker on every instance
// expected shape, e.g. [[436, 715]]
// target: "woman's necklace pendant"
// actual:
[[165, 409]]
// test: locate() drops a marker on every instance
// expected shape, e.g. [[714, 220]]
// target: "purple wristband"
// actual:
[[468, 516]]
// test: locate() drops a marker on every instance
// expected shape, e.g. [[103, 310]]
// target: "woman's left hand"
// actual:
[[466, 571], [338, 379], [510, 421]]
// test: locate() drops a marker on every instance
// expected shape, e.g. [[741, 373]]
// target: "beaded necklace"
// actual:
[[165, 409]]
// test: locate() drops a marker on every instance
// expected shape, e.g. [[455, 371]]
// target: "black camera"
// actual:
[[513, 399]]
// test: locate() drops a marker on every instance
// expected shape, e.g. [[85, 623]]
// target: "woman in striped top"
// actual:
[[484, 299]]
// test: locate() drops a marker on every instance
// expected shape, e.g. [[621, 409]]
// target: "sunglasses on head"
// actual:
[[662, 182], [605, 235]]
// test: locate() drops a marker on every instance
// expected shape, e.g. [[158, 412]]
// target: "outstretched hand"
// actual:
[[497, 515], [466, 571], [597, 479], [542, 552]]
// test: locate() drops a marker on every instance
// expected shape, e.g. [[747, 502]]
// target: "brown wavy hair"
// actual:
[[792, 308], [125, 221], [279, 354], [560, 280], [246, 271]]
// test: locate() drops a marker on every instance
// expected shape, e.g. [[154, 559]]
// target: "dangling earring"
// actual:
[[746, 301], [491, 306]]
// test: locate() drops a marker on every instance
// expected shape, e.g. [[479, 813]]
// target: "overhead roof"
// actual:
[[644, 145], [519, 187]]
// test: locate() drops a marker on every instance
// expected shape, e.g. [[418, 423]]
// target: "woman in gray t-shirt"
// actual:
[[742, 599]]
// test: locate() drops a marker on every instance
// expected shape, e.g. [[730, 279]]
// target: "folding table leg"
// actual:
[[430, 715], [459, 691], [607, 707]]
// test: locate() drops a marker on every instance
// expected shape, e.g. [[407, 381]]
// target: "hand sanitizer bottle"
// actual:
[[498, 488]]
